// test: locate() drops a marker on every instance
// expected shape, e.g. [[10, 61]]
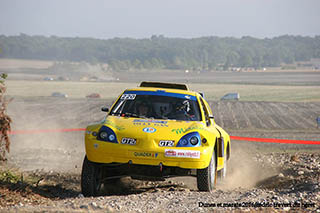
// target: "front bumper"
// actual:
[[183, 157]]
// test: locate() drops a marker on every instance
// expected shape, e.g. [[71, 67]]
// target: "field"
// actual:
[[14, 64], [281, 105], [110, 90], [26, 79]]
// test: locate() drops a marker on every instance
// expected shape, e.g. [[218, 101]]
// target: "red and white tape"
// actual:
[[238, 138], [274, 140]]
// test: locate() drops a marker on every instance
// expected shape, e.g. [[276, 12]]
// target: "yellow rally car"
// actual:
[[153, 132]]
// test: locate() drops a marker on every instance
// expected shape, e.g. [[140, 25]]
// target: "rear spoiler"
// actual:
[[164, 85]]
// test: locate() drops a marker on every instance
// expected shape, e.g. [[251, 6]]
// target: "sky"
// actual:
[[106, 19]]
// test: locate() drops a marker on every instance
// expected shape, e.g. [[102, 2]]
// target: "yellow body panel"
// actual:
[[147, 151]]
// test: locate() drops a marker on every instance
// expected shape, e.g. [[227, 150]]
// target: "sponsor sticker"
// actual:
[[146, 122], [128, 96], [145, 154], [184, 130], [149, 121], [166, 143], [149, 129], [182, 153], [129, 141]]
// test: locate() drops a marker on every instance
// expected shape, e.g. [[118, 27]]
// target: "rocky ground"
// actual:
[[281, 182]]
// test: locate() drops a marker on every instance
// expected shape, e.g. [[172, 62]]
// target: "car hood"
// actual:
[[143, 129]]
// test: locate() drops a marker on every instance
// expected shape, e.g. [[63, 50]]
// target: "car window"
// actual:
[[157, 105], [206, 113]]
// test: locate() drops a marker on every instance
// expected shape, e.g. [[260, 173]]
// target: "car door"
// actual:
[[216, 134]]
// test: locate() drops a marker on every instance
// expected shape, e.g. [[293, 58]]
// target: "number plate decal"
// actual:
[[129, 141], [128, 96], [166, 143]]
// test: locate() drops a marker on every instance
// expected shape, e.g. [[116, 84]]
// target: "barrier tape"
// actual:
[[264, 140], [273, 140]]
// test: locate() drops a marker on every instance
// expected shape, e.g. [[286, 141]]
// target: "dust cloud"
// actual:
[[243, 171], [45, 151]]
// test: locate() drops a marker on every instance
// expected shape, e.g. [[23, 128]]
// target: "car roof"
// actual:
[[185, 92]]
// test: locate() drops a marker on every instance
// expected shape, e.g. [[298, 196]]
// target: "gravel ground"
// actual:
[[286, 182]]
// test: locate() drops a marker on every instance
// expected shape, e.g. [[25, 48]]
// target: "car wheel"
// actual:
[[206, 178], [222, 174], [90, 178]]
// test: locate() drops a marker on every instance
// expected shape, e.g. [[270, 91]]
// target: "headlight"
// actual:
[[194, 140], [191, 139], [107, 134], [103, 135], [184, 142], [111, 137]]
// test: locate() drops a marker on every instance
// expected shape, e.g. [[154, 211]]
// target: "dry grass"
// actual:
[[261, 92], [73, 89], [110, 90], [6, 63]]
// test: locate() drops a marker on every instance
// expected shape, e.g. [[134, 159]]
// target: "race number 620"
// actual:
[[128, 96]]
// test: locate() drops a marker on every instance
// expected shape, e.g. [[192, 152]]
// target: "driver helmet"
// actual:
[[183, 106]]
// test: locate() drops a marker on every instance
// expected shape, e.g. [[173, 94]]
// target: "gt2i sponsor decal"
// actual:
[[145, 154], [128, 96], [149, 129], [129, 141], [182, 153], [166, 143], [146, 122], [183, 130]]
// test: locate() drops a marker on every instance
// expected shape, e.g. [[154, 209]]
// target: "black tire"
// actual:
[[90, 178], [206, 178], [222, 174]]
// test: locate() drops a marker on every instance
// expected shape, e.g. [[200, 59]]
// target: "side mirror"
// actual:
[[211, 116], [105, 109]]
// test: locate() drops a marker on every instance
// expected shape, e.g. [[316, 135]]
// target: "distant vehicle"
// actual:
[[231, 96], [48, 79], [62, 78], [59, 94], [94, 95]]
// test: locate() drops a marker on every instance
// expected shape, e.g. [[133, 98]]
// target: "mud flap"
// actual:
[[220, 151]]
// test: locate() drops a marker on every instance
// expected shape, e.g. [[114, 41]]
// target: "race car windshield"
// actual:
[[144, 104]]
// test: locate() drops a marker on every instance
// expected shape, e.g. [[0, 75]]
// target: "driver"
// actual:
[[143, 109], [183, 107], [183, 110]]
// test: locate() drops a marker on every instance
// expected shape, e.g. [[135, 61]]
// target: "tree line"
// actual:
[[204, 53]]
